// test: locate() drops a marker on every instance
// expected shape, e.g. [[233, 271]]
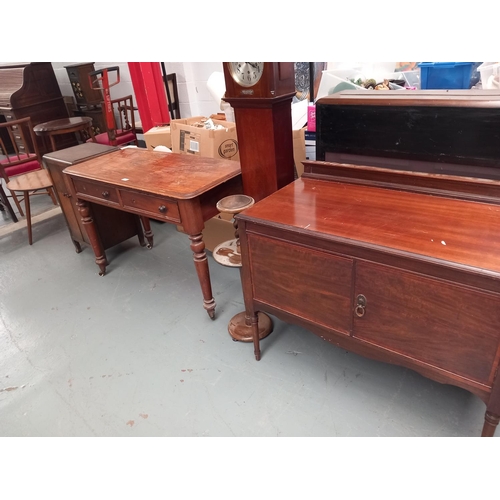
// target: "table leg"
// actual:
[[201, 265], [52, 142], [78, 247], [147, 231], [28, 215], [490, 424], [95, 240], [140, 231]]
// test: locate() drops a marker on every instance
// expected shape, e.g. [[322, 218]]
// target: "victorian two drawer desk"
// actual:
[[168, 187]]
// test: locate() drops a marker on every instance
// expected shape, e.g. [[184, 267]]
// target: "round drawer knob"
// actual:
[[162, 209], [105, 194]]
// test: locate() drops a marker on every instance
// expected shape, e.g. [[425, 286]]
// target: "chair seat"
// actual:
[[31, 181], [23, 168], [121, 138]]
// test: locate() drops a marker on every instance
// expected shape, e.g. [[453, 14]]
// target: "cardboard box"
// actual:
[[217, 230], [158, 136], [299, 150], [189, 136]]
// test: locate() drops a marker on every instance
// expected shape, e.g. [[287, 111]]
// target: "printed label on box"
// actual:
[[182, 136], [189, 142], [228, 149], [194, 146]]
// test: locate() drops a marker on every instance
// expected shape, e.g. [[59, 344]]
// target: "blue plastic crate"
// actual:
[[445, 75]]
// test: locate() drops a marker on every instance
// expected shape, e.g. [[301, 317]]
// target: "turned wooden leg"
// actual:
[[28, 215], [95, 240], [140, 231], [147, 231], [201, 265], [490, 424]]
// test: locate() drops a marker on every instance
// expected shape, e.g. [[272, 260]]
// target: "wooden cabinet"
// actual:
[[88, 100], [385, 269], [31, 89], [78, 75], [114, 226], [442, 324], [388, 245]]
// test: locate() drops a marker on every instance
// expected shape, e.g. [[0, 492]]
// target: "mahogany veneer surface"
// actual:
[[166, 174]]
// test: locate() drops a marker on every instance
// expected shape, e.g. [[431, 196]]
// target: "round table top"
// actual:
[[62, 124], [235, 203]]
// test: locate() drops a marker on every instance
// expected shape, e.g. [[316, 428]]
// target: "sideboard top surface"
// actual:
[[438, 227]]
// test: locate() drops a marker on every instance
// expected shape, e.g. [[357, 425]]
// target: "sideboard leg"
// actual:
[[490, 424]]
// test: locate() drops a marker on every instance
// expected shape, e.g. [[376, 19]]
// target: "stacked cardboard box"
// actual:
[[158, 136], [190, 136], [205, 137]]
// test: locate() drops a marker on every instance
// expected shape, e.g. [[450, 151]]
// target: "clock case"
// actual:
[[278, 79]]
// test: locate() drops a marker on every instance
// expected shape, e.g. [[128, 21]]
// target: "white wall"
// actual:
[[194, 96]]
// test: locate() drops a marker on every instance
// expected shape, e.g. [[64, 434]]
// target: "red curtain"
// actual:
[[150, 93]]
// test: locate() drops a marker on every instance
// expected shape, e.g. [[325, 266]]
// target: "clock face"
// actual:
[[246, 74]]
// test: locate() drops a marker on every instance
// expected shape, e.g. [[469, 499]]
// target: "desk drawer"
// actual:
[[97, 191], [159, 208]]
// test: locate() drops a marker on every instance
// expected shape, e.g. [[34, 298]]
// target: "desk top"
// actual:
[[174, 175], [458, 231]]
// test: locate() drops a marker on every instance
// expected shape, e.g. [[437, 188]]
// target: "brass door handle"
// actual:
[[360, 308]]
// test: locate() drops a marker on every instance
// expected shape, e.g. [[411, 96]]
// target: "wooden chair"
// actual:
[[22, 168], [124, 130]]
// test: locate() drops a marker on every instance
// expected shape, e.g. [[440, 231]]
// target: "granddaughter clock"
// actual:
[[261, 94]]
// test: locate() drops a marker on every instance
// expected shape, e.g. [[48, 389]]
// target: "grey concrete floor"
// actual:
[[134, 353]]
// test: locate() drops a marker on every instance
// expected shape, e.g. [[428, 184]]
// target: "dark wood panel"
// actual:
[[31, 90], [309, 284], [443, 324], [440, 131]]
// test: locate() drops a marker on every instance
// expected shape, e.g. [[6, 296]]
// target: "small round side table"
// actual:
[[32, 181], [228, 254], [64, 126]]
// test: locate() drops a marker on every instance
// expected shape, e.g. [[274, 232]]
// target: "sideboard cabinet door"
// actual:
[[307, 283], [433, 321]]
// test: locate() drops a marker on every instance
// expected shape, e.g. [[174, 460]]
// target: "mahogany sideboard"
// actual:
[[398, 263]]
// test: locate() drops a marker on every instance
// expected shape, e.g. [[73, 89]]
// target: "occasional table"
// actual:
[[64, 126], [176, 188], [32, 181]]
